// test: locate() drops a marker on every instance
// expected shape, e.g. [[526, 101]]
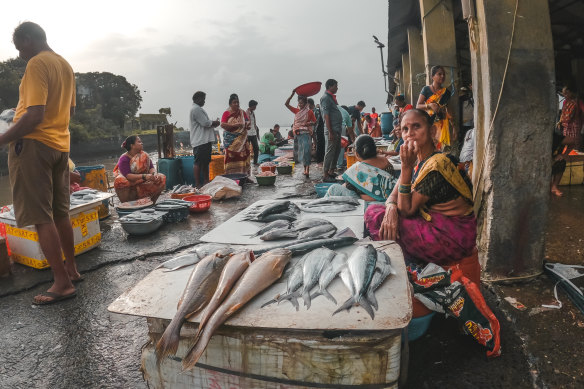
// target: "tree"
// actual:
[[165, 111], [120, 99], [11, 72]]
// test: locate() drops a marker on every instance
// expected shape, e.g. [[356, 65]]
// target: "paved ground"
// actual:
[[80, 344]]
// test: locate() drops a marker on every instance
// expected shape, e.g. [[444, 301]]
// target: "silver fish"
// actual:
[[180, 262], [322, 231], [279, 234], [202, 250], [288, 215], [361, 265], [269, 209], [333, 199], [276, 224], [293, 284], [313, 266], [305, 224], [383, 269], [328, 274], [332, 204]]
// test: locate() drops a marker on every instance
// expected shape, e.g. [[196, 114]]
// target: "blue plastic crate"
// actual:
[[418, 326]]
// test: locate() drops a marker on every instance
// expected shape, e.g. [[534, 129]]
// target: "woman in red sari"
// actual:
[[237, 148], [135, 176], [571, 120], [430, 213]]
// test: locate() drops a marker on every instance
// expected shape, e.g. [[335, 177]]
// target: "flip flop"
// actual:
[[54, 296], [78, 280]]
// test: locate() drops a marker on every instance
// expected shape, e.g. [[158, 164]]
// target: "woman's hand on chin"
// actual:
[[408, 154], [389, 225]]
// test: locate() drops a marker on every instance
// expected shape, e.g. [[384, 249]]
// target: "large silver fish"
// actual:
[[333, 204], [361, 267], [305, 224], [180, 262], [328, 274], [322, 231], [275, 225], [199, 290], [383, 269], [269, 209], [202, 250], [262, 273], [286, 215], [314, 264], [279, 234]]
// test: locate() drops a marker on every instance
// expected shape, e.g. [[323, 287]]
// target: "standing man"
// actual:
[[319, 133], [203, 136], [332, 128], [38, 156], [355, 112], [253, 131]]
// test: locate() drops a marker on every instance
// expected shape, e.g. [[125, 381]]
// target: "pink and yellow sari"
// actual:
[[237, 148], [139, 164], [444, 125]]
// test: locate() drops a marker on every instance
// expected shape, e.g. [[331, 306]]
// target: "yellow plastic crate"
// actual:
[[25, 249], [574, 174]]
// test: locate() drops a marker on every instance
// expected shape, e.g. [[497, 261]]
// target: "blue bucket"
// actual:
[[321, 188], [418, 326], [187, 169]]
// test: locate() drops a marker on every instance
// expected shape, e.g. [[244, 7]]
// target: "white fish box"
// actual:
[[265, 359], [23, 242]]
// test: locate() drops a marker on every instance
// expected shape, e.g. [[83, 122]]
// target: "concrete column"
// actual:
[[512, 164], [439, 42], [399, 89], [416, 50], [578, 75], [406, 76], [438, 37]]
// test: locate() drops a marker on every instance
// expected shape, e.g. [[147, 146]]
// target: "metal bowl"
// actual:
[[146, 228]]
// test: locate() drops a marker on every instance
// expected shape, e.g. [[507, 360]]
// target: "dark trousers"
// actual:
[[320, 145], [253, 139]]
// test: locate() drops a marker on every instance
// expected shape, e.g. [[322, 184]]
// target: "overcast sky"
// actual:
[[259, 49]]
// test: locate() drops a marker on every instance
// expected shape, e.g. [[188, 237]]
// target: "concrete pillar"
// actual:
[[439, 42], [578, 75], [417, 67], [406, 76], [399, 89], [512, 163], [438, 37]]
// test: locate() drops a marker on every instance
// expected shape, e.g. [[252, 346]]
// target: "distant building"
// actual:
[[145, 121]]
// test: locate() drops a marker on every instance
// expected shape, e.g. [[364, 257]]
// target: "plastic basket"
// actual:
[[351, 159], [266, 180], [200, 203], [418, 326], [321, 188]]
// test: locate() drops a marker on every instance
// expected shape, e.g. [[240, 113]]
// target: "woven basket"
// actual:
[[217, 166]]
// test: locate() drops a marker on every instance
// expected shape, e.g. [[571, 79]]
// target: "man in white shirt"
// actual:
[[252, 133], [203, 135]]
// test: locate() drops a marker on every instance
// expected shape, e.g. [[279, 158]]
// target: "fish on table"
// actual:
[[262, 273], [294, 283], [383, 269], [357, 277], [314, 264], [235, 267], [275, 225], [334, 204], [197, 293], [283, 233], [322, 231], [330, 272], [192, 257], [305, 224]]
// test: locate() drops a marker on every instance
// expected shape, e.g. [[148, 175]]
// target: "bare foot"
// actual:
[[54, 294], [557, 192]]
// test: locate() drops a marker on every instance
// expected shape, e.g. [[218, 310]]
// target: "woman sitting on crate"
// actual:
[[135, 176], [430, 213], [370, 179]]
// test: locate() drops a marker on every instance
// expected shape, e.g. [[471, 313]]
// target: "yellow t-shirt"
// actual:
[[48, 80]]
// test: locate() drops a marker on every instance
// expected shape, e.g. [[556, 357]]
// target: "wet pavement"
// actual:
[[78, 343]]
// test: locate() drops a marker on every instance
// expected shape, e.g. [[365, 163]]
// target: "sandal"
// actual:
[[55, 298]]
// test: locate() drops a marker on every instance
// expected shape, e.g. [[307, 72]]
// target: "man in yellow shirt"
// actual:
[[39, 153]]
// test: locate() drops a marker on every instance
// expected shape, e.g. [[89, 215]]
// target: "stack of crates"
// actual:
[[217, 166]]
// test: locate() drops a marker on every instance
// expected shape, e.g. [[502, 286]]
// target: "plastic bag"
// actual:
[[222, 188]]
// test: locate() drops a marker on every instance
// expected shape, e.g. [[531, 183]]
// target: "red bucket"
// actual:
[[200, 203]]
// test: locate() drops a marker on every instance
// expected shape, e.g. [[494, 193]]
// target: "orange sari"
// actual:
[[444, 125]]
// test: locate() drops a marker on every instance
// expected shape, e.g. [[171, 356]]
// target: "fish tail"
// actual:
[[306, 298], [292, 297], [367, 307], [329, 296], [168, 343], [346, 305], [197, 350], [371, 299]]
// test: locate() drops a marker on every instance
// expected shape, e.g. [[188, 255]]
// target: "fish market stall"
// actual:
[[274, 345]]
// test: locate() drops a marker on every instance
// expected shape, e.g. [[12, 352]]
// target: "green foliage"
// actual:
[[11, 72], [165, 111]]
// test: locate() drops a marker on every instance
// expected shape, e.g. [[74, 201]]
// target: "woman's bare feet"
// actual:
[[557, 192]]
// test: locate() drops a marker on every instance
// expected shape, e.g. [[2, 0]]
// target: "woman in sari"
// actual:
[[371, 178], [304, 119], [268, 143], [433, 99], [571, 120], [237, 148], [135, 176], [430, 213]]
